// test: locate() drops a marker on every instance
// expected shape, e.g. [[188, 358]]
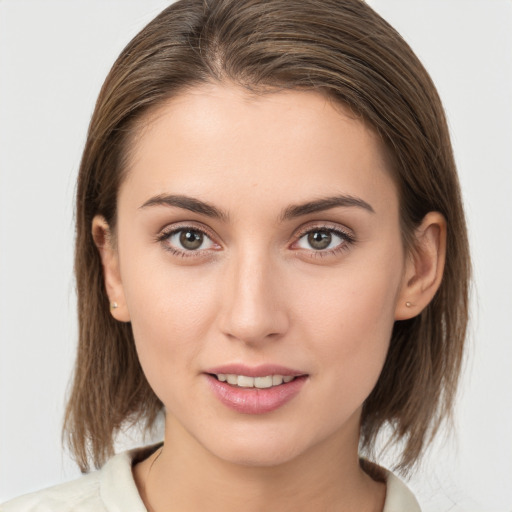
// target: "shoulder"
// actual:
[[81, 494], [111, 489]]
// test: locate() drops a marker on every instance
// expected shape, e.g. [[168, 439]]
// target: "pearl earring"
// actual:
[[114, 305], [408, 304]]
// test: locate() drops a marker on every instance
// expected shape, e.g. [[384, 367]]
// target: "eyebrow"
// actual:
[[202, 207], [187, 203], [325, 203]]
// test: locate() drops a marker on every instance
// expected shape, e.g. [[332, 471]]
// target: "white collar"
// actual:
[[119, 491]]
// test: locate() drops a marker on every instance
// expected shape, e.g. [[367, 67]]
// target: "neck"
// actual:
[[185, 476]]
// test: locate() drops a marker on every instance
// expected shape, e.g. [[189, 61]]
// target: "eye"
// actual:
[[187, 240], [324, 239]]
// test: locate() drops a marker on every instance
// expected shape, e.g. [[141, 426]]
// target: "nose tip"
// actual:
[[252, 310]]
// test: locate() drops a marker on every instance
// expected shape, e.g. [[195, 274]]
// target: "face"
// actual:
[[258, 242]]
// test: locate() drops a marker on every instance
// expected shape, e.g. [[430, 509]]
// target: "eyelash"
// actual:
[[347, 240], [167, 233]]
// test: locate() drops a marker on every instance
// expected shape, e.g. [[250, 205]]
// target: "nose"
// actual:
[[253, 309]]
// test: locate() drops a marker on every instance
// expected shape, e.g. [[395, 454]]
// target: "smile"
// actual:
[[255, 395], [244, 381]]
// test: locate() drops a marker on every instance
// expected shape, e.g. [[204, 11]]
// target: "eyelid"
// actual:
[[172, 229], [347, 235], [190, 224], [325, 226]]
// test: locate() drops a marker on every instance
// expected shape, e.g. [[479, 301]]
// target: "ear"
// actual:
[[424, 267], [103, 238]]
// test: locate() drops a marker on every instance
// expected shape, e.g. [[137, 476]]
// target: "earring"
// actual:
[[408, 304], [114, 305]]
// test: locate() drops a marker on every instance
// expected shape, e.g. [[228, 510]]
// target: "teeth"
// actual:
[[277, 379], [243, 381], [263, 382]]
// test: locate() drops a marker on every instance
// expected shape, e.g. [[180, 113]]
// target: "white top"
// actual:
[[113, 489]]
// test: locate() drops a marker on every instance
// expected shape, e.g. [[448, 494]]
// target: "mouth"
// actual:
[[245, 381], [255, 390]]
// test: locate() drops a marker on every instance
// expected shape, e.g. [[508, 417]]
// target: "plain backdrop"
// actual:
[[54, 56]]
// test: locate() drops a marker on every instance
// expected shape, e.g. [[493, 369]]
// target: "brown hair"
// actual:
[[344, 49]]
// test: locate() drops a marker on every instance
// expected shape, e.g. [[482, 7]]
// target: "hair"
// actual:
[[345, 50]]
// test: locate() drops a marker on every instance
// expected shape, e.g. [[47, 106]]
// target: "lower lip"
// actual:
[[254, 400]]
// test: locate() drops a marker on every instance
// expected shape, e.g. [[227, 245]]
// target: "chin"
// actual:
[[258, 455], [265, 448]]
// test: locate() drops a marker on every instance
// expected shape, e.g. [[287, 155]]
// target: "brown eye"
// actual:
[[188, 240], [319, 239], [191, 239], [324, 240]]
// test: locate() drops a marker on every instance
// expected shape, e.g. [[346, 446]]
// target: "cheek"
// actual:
[[354, 339], [170, 317], [356, 298], [349, 320]]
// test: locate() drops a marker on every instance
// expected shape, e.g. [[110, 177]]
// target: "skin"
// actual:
[[258, 292]]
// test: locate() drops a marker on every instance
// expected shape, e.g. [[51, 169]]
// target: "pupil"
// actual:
[[319, 239], [191, 239]]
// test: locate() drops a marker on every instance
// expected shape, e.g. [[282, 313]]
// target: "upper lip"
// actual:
[[255, 371]]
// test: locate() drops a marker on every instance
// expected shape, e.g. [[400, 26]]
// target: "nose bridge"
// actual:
[[252, 310]]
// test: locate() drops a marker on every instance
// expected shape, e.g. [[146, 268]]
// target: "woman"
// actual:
[[271, 247]]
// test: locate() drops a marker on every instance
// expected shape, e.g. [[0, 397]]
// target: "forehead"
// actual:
[[222, 141]]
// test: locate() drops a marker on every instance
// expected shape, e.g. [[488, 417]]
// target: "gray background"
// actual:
[[53, 58]]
